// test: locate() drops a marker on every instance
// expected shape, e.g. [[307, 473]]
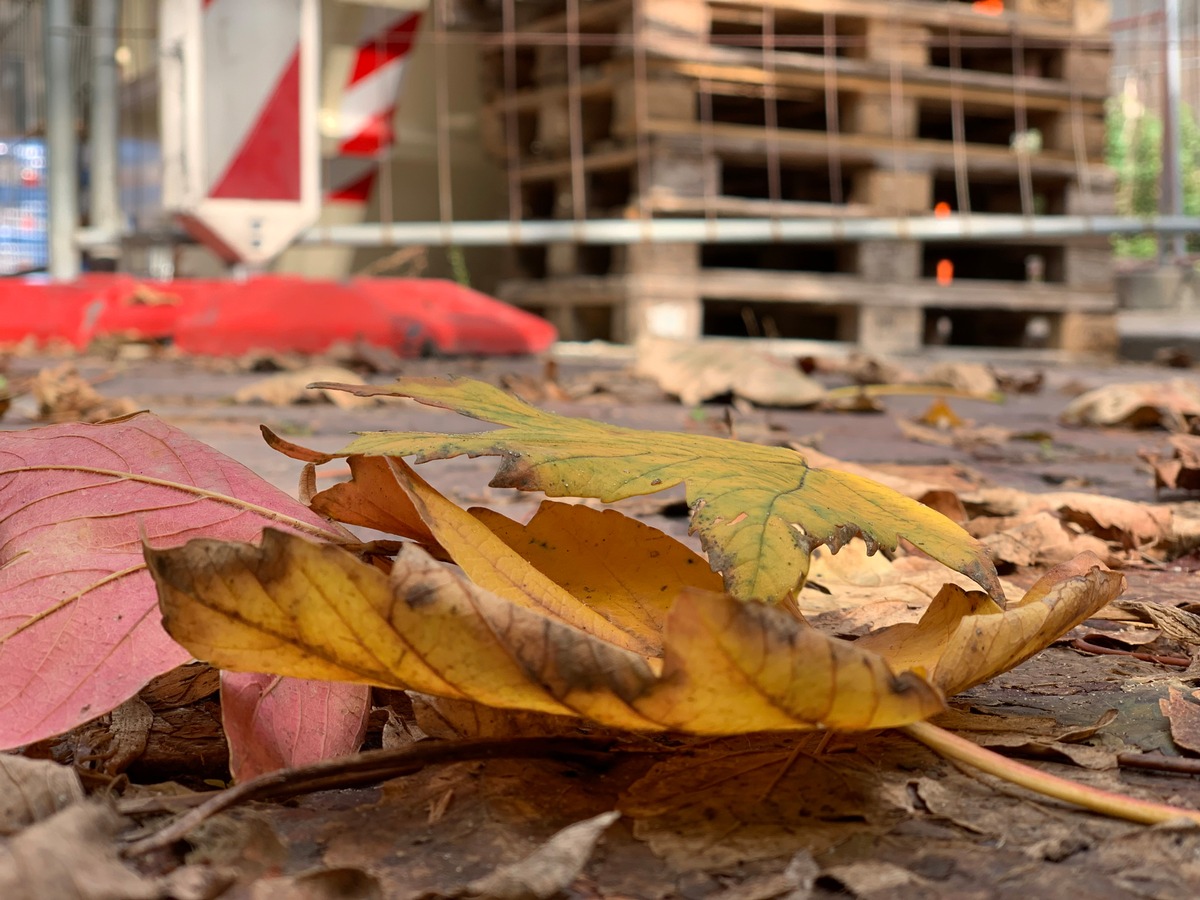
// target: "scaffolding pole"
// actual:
[[496, 233], [61, 141], [103, 124]]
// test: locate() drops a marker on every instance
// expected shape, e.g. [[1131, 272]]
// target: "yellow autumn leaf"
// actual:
[[492, 565], [759, 511], [964, 638], [624, 569], [294, 607]]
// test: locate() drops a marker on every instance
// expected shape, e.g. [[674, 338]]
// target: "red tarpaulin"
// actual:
[[278, 313]]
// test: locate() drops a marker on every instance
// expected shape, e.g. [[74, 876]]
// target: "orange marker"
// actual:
[[942, 210], [945, 272], [988, 7]]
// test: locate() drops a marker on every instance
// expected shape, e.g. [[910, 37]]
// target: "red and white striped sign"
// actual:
[[363, 126], [239, 97]]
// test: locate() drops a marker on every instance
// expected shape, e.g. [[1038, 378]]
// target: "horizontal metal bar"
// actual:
[[717, 231], [974, 227]]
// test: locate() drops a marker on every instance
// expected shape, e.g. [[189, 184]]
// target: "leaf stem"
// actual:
[[1119, 806]]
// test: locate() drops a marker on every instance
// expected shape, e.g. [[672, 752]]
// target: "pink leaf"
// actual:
[[80, 630], [274, 722]]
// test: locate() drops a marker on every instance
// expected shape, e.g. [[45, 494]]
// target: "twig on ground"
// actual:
[[370, 768], [1088, 647]]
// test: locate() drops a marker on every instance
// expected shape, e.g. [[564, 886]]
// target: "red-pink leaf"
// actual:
[[274, 722], [80, 629]]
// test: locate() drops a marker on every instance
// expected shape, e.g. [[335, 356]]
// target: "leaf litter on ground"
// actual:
[[1013, 637]]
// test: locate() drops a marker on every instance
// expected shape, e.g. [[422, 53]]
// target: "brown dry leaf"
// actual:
[[287, 388], [1144, 404], [871, 878], [1177, 624], [1184, 716], [964, 638], [795, 882], [63, 395], [73, 855], [32, 790], [1041, 737], [964, 437], [373, 498], [549, 870], [969, 378], [729, 803], [864, 369], [852, 579], [1180, 471], [1125, 522], [344, 883], [696, 372], [1038, 539]]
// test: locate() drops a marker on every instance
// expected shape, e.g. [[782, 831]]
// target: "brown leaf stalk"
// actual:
[[1118, 806]]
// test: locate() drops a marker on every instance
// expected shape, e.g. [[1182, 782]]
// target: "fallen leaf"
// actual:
[[286, 388], [795, 882], [728, 666], [1144, 404], [696, 372], [939, 415], [759, 511], [74, 854], [1184, 716], [1125, 522], [491, 563], [548, 871], [79, 629], [969, 378], [864, 369], [279, 723], [34, 789], [63, 395], [372, 498], [1180, 471], [722, 805], [344, 883], [447, 719], [964, 638], [871, 878], [626, 570], [964, 436], [1177, 624], [937, 487], [852, 579], [1037, 539]]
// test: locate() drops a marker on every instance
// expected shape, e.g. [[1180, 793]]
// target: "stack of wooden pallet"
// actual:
[[827, 109]]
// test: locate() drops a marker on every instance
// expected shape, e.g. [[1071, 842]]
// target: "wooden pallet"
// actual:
[[851, 36], [880, 317], [821, 108]]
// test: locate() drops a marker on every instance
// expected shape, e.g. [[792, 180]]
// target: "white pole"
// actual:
[[61, 141]]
